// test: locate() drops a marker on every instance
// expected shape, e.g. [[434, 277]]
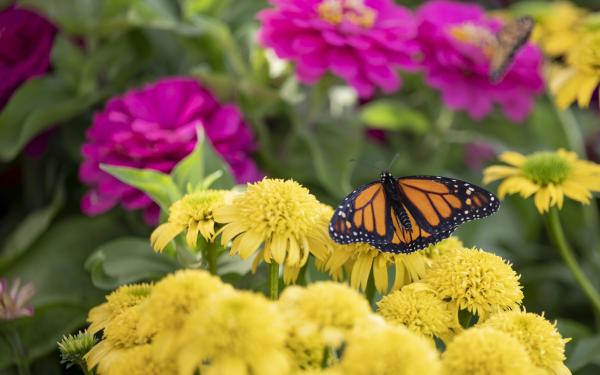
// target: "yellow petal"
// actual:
[[497, 172], [559, 77], [517, 184], [360, 272], [337, 259], [293, 253], [278, 248], [230, 231], [576, 192], [513, 158], [542, 200], [164, 234], [380, 274], [586, 90], [246, 243], [568, 92], [191, 237]]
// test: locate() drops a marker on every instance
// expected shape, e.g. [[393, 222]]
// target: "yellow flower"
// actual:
[[382, 349], [545, 345], [140, 360], [361, 258], [193, 213], [330, 308], [420, 309], [580, 78], [120, 334], [280, 215], [118, 301], [235, 334], [557, 27], [175, 297], [548, 175], [474, 280], [446, 245], [486, 351]]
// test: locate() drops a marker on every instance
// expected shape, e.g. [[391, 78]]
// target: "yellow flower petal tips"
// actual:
[[548, 176]]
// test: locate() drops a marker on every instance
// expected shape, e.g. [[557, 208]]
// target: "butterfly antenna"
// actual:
[[394, 159]]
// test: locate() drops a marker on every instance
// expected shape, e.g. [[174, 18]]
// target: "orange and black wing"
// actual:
[[363, 216], [439, 204], [510, 39]]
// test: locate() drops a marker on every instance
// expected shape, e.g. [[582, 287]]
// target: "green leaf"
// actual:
[[159, 186], [68, 61], [390, 115], [127, 260], [585, 352], [189, 172], [36, 105], [64, 293], [213, 163], [29, 230]]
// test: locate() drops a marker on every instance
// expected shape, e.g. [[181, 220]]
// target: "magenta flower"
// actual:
[[456, 59], [25, 44], [154, 128], [14, 301], [360, 41], [477, 153]]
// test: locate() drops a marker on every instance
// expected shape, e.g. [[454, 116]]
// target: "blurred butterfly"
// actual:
[[509, 41], [402, 215]]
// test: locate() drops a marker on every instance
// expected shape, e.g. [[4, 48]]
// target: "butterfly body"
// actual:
[[402, 215]]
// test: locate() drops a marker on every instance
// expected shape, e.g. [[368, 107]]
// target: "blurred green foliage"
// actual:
[[316, 135]]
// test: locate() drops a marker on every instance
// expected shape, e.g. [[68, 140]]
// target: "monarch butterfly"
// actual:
[[402, 215], [508, 42]]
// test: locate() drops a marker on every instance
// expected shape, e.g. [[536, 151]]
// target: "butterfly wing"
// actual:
[[510, 39], [439, 204], [363, 216]]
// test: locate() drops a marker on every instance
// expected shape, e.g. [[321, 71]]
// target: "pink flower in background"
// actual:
[[361, 41], [154, 128], [477, 153], [14, 301], [452, 36], [25, 44]]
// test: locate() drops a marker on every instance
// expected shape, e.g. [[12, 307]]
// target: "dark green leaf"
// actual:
[[127, 260], [586, 351], [189, 172], [390, 115], [159, 186]]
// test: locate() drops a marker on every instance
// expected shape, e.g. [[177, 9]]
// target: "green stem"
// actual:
[[211, 255], [326, 353], [571, 129], [21, 358], [558, 236], [274, 280], [370, 291]]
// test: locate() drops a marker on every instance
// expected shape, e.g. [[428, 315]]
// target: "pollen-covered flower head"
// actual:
[[192, 213], [547, 175], [382, 349], [118, 301], [236, 333], [420, 309], [457, 41], [361, 41], [141, 360], [580, 79], [475, 280], [445, 246], [486, 351], [154, 127], [175, 297], [281, 216], [327, 307], [543, 342], [14, 300], [360, 259]]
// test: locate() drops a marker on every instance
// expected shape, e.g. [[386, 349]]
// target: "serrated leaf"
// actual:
[[159, 186]]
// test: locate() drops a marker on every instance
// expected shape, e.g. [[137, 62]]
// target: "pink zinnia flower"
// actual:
[[361, 41], [452, 39], [14, 301], [154, 128]]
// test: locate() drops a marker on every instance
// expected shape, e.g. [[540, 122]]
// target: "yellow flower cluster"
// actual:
[[191, 321], [569, 34]]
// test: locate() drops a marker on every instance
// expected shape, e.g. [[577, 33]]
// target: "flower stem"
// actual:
[[559, 239], [274, 280], [211, 255], [326, 353], [22, 361]]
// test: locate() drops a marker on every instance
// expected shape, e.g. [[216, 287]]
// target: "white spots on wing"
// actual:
[[342, 214], [469, 191]]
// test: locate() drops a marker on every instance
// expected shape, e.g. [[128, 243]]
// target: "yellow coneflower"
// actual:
[[543, 342], [141, 360], [362, 259], [486, 351], [474, 280], [558, 27], [382, 349], [118, 301], [548, 175], [281, 219], [580, 78], [420, 309], [236, 334], [194, 214]]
